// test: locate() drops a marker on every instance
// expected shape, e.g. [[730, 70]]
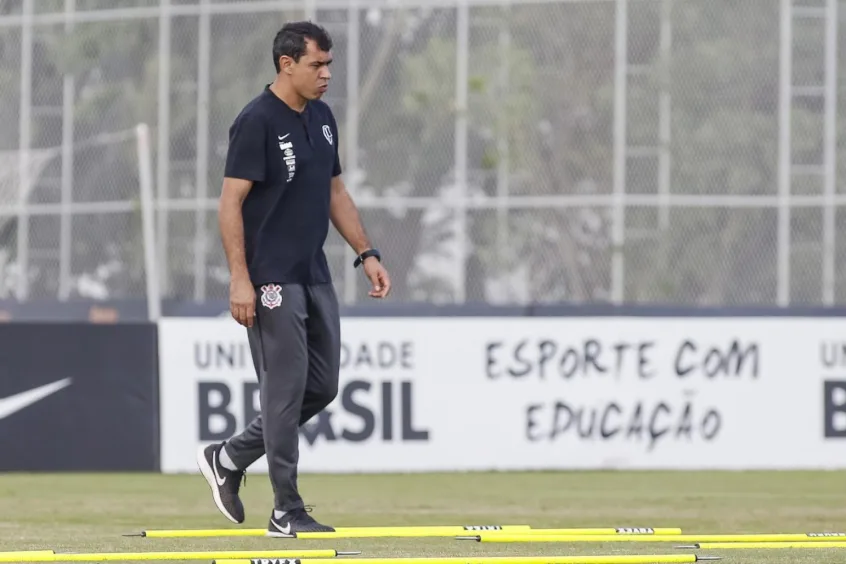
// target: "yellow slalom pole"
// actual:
[[789, 537], [424, 531], [203, 555], [27, 553], [433, 532], [611, 559], [797, 544], [341, 532], [601, 531]]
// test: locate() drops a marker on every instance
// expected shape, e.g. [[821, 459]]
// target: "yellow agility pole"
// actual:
[[611, 559], [398, 532], [27, 553], [599, 531], [797, 544], [340, 532], [446, 533], [202, 555], [788, 537]]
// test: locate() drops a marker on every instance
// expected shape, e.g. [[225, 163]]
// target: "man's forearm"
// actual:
[[347, 221], [232, 236]]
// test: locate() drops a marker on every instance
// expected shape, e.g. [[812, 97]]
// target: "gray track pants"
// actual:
[[296, 349]]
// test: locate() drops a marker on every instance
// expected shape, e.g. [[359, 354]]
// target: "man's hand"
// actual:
[[242, 300], [378, 277]]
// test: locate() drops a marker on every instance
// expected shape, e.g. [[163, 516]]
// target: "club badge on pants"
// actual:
[[271, 296]]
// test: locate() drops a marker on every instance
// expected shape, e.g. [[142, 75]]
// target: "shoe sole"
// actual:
[[208, 474], [279, 535]]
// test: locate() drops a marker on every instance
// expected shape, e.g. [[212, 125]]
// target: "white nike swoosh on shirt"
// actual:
[[281, 137], [17, 402]]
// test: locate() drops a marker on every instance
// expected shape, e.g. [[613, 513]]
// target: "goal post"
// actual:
[[90, 237], [145, 181]]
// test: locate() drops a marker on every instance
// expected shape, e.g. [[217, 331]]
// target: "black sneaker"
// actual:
[[293, 522], [224, 483]]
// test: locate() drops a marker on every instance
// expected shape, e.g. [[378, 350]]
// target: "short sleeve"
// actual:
[[245, 157], [336, 169]]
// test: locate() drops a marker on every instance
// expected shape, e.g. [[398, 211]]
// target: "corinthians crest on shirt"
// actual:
[[288, 155]]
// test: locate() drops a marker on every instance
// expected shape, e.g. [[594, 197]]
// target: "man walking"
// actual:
[[282, 186]]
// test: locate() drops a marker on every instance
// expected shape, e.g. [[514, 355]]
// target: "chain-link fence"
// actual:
[[508, 152]]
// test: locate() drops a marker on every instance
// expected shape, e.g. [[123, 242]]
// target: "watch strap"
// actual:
[[366, 254]]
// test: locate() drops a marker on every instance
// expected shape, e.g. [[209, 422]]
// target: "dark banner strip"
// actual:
[[78, 397]]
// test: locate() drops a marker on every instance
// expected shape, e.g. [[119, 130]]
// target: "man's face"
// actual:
[[310, 75]]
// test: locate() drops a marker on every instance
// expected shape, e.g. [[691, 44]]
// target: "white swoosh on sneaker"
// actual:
[[286, 530], [12, 404], [220, 481]]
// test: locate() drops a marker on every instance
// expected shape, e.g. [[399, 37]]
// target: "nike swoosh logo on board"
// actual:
[[14, 403]]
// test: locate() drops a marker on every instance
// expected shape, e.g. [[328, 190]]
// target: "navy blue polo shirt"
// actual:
[[291, 157]]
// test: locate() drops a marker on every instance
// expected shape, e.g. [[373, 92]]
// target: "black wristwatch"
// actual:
[[368, 253]]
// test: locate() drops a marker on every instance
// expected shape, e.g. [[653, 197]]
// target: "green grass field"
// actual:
[[90, 513]]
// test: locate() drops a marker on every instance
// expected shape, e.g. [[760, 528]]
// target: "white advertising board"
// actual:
[[419, 394]]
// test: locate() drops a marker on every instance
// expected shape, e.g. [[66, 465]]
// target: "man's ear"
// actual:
[[285, 64]]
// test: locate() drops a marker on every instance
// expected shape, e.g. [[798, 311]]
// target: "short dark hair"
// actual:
[[290, 41]]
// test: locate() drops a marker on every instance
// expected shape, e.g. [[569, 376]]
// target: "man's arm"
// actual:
[[231, 222], [345, 217]]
